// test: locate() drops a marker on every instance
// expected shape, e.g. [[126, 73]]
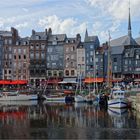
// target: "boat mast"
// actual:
[[109, 67], [94, 70]]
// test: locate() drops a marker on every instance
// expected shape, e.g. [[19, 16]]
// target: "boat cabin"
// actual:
[[118, 94]]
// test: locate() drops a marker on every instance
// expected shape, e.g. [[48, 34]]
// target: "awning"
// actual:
[[68, 81], [93, 80], [13, 82], [51, 81]]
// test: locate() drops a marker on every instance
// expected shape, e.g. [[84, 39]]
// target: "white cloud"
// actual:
[[25, 9], [70, 26], [21, 25]]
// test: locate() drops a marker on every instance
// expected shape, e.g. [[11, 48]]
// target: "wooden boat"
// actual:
[[55, 98], [16, 96], [118, 99]]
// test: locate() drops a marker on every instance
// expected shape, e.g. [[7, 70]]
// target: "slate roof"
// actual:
[[42, 36], [25, 39], [58, 37], [122, 41], [5, 33], [117, 49], [138, 40], [91, 39]]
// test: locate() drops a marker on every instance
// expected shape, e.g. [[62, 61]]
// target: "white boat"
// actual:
[[19, 103], [55, 98], [16, 96], [118, 99], [79, 98]]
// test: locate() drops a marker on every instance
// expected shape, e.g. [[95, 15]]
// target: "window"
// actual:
[[19, 57], [91, 52], [42, 46], [67, 72], [115, 60], [55, 73], [37, 55], [31, 55], [32, 47], [137, 56], [19, 50], [67, 49], [14, 50], [125, 62], [9, 71], [37, 37], [5, 71], [10, 56], [49, 49], [83, 58], [10, 41], [24, 51], [14, 56], [96, 59], [24, 56], [42, 55], [136, 62], [115, 68], [37, 46], [91, 46], [72, 72]]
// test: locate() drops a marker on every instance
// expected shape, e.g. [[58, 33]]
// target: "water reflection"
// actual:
[[72, 121]]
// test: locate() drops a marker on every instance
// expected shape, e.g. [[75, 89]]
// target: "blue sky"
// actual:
[[71, 17]]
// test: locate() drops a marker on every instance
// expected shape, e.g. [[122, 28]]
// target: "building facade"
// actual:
[[20, 60], [55, 55], [37, 56], [91, 43], [70, 56], [81, 61], [9, 39]]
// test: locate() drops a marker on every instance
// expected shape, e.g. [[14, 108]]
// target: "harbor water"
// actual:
[[43, 120]]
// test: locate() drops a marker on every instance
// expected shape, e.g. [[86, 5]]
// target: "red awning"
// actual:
[[93, 80], [13, 82]]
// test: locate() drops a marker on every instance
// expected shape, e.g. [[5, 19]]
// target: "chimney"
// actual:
[[33, 32], [78, 37], [50, 31], [46, 32]]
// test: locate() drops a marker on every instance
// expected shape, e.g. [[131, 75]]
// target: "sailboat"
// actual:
[[79, 97]]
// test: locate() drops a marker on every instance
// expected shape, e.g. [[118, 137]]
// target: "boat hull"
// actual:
[[18, 97], [118, 103], [79, 98], [55, 99]]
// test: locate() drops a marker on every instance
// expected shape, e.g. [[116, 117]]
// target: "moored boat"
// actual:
[[118, 99], [16, 96]]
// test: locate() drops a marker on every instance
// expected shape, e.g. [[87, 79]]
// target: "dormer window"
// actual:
[[37, 37]]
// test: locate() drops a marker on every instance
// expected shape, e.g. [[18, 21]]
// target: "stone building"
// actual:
[[70, 58], [9, 39], [55, 55], [81, 61], [20, 59], [37, 55], [91, 43]]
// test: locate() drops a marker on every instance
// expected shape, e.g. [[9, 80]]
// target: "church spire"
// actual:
[[129, 22], [86, 35]]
